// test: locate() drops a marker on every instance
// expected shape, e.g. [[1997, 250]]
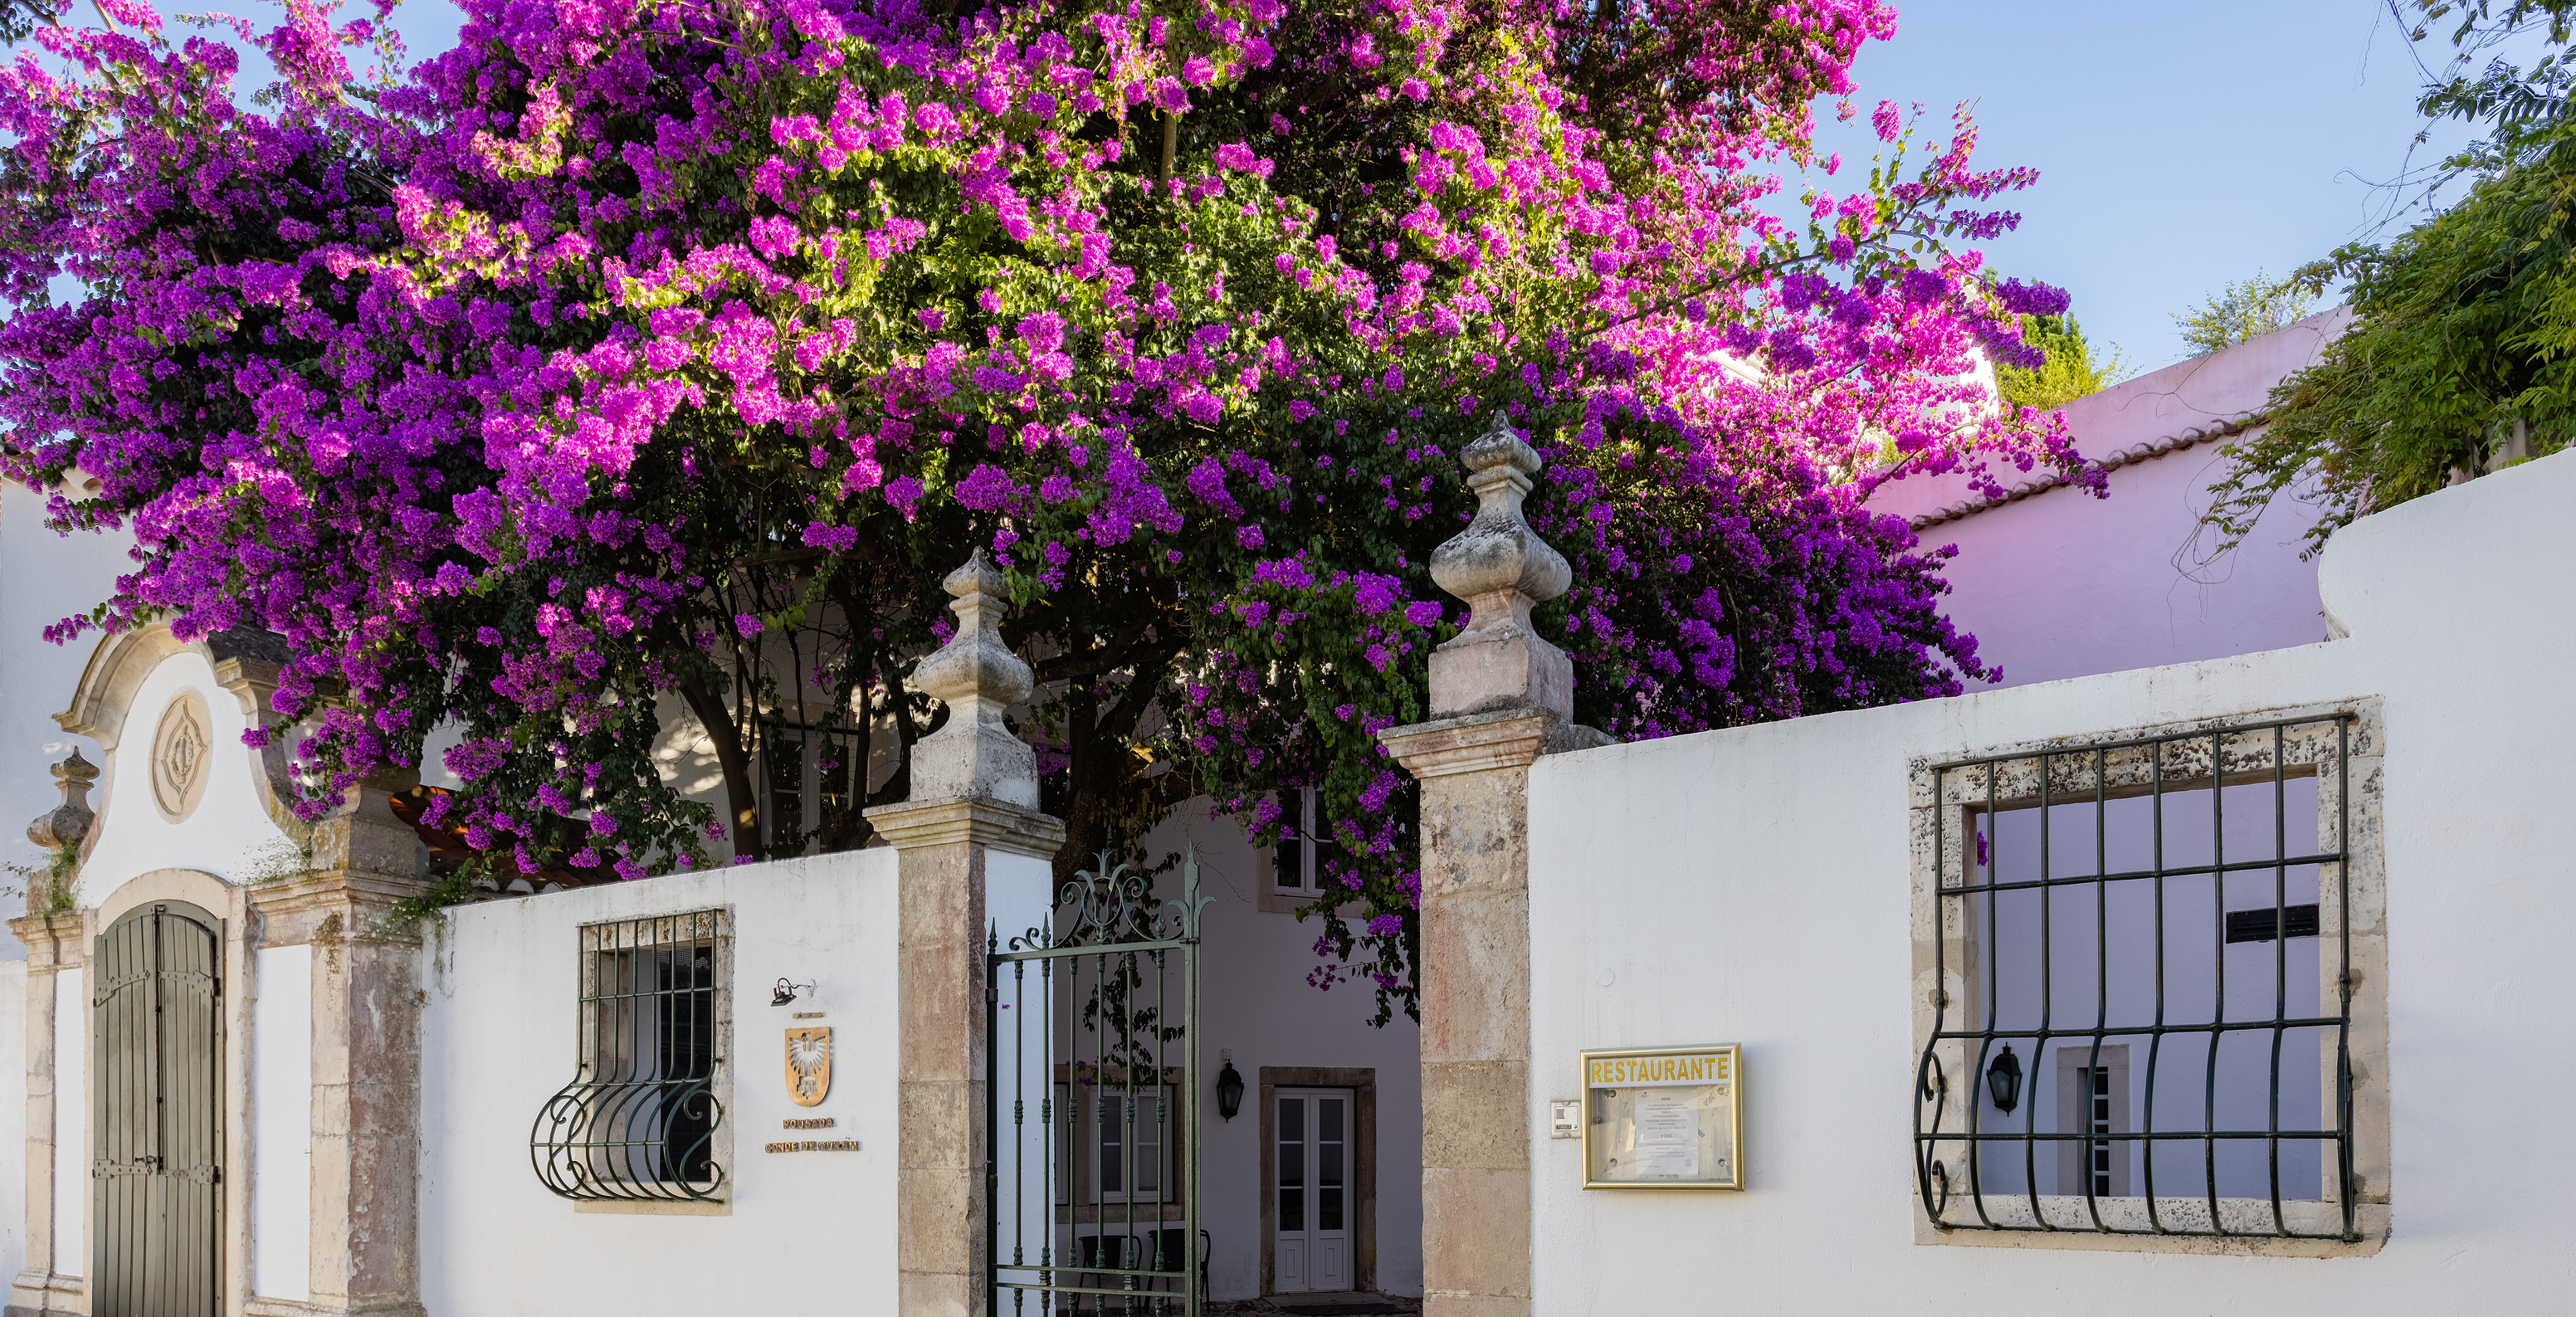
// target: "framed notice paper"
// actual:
[[1664, 1118]]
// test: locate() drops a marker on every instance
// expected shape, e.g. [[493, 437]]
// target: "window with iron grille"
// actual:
[[2148, 992], [643, 1118]]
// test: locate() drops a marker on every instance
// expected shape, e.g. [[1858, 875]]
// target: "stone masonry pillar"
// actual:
[[55, 943], [972, 813], [1500, 697], [364, 1228]]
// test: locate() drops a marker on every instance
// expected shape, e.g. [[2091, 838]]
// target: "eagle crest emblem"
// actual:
[[809, 1065]]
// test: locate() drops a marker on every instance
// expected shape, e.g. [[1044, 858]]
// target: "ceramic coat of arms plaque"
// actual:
[[809, 1065]]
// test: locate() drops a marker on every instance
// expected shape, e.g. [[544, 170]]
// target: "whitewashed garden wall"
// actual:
[[1759, 886], [794, 1232]]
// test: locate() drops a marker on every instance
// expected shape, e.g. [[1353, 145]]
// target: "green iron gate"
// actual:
[[158, 1134], [1091, 1103]]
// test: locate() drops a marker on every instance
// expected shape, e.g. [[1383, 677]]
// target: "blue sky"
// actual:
[[2180, 145]]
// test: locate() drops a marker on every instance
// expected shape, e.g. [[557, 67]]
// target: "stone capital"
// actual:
[[52, 941], [335, 905], [995, 824], [1472, 743]]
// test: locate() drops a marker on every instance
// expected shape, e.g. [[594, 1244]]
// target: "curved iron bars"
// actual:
[[638, 1122], [1113, 1159], [1966, 932]]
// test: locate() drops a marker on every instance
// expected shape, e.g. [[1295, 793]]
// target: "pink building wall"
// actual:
[[2058, 584]]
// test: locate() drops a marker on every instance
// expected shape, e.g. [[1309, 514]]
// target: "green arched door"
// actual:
[[158, 1136]]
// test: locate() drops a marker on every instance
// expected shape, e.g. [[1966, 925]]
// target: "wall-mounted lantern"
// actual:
[[2003, 1080], [785, 993], [1229, 1087]]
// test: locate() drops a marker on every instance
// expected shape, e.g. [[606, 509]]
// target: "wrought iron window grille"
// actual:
[[642, 1119], [2117, 912]]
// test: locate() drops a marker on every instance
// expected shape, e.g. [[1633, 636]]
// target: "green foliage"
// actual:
[[2464, 334], [2246, 309], [48, 889], [2071, 371]]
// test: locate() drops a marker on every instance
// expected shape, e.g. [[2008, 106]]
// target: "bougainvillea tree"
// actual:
[[638, 354]]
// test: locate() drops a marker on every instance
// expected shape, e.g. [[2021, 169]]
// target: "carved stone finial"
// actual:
[[979, 678], [1502, 569], [67, 823]]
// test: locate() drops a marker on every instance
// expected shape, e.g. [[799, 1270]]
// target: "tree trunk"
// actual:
[[741, 796]]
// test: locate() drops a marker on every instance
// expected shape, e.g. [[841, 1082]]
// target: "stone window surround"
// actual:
[[720, 1086], [1362, 1081], [2368, 938]]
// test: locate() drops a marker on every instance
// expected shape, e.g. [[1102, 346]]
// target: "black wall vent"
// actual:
[[2258, 926]]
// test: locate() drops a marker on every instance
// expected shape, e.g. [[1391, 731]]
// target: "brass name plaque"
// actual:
[[808, 1123], [814, 1145]]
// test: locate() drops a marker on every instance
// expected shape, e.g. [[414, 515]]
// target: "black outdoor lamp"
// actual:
[[1229, 1087], [785, 993], [2003, 1080]]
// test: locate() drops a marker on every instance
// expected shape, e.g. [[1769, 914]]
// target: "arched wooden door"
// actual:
[[158, 1134]]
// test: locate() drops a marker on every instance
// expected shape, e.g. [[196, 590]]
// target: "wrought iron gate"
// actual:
[[156, 1203], [1091, 1104]]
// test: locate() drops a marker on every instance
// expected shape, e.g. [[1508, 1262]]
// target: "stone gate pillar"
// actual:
[[972, 849], [362, 1240], [55, 944], [1500, 697]]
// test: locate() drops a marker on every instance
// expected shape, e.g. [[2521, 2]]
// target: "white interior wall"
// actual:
[[1254, 998], [1752, 886], [498, 1037]]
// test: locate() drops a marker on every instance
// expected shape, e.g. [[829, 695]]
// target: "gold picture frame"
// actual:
[[1664, 1118]]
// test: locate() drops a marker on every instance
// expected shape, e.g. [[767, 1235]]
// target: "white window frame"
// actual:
[[1288, 898]]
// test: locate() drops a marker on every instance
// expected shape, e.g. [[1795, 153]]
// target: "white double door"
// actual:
[[1314, 1209]]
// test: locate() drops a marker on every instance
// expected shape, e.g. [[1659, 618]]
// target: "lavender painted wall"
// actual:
[[2060, 584]]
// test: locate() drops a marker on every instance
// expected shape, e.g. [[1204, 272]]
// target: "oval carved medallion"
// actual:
[[182, 756]]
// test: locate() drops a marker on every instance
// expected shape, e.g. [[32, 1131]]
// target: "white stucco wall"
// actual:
[[281, 1121], [71, 1123], [13, 1118], [1752, 886], [228, 834], [805, 1231], [1254, 998], [2065, 585]]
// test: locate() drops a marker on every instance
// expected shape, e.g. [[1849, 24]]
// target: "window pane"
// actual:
[[1287, 855], [1152, 1118], [1113, 1146], [1292, 1210], [786, 784], [1328, 1163]]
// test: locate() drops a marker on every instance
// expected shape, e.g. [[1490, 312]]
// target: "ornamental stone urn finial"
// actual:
[[68, 823], [1502, 569], [979, 678]]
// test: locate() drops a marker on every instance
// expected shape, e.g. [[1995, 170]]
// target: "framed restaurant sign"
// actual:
[[1664, 1118]]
